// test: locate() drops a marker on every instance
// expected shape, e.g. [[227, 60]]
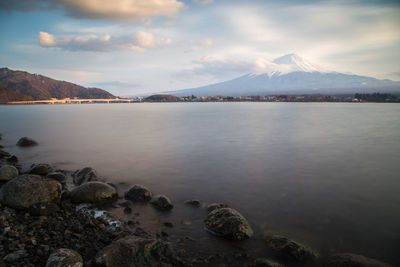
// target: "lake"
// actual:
[[326, 174]]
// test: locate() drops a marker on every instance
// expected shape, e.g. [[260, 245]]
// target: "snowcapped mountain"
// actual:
[[292, 74]]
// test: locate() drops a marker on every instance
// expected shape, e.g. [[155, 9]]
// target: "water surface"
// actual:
[[326, 174]]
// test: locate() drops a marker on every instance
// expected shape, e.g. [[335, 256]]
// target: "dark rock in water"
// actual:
[[64, 257], [128, 210], [162, 202], [214, 206], [4, 154], [85, 175], [193, 202], [138, 193], [27, 190], [59, 176], [8, 172], [353, 260], [228, 223], [93, 192], [1, 146], [290, 250], [26, 141], [12, 160], [263, 262], [134, 251], [40, 169]]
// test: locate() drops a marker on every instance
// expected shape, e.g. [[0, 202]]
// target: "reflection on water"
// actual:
[[326, 174]]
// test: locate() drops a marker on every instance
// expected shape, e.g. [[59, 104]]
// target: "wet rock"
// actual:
[[263, 262], [59, 176], [290, 250], [137, 251], [64, 258], [12, 160], [43, 209], [214, 206], [40, 169], [193, 202], [26, 141], [27, 190], [85, 175], [4, 154], [228, 223], [138, 193], [162, 202], [93, 192], [128, 210], [8, 172], [353, 260], [19, 254]]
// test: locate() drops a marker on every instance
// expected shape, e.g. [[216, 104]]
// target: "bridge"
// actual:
[[73, 101]]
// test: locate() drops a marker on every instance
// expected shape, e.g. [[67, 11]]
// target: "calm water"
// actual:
[[322, 173]]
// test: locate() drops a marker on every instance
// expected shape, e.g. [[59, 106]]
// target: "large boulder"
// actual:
[[85, 175], [8, 172], [353, 260], [228, 223], [64, 257], [26, 141], [290, 250], [40, 169], [137, 251], [93, 192], [214, 206], [162, 202], [59, 176], [138, 193], [27, 190]]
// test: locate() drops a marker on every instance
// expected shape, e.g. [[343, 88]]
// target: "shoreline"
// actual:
[[42, 216]]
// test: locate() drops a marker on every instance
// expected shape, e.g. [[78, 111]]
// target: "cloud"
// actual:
[[203, 2], [139, 41], [203, 44], [116, 10]]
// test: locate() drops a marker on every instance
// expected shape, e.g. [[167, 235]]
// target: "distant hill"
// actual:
[[21, 85], [162, 98], [292, 74]]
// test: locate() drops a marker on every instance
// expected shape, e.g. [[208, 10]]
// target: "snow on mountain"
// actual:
[[292, 74]]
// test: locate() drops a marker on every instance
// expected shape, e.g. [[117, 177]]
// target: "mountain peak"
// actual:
[[297, 63]]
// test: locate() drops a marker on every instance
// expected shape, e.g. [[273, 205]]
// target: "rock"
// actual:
[[85, 175], [162, 202], [12, 257], [169, 224], [290, 250], [353, 260], [228, 223], [263, 262], [4, 154], [93, 192], [193, 202], [59, 176], [134, 251], [138, 193], [27, 190], [64, 258], [12, 160], [25, 141], [8, 172], [40, 169], [214, 206]]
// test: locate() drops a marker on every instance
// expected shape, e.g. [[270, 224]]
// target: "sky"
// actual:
[[134, 47]]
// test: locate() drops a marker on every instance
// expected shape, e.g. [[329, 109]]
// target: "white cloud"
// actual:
[[103, 43], [204, 2], [101, 9]]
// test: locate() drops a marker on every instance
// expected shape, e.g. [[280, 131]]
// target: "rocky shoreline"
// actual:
[[51, 217]]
